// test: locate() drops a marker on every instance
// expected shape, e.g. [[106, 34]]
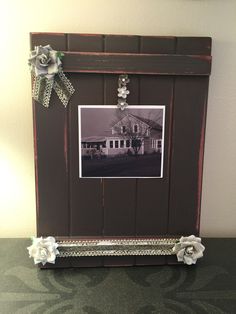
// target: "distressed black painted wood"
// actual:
[[170, 71]]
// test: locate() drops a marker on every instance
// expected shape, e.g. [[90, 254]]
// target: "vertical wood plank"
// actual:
[[120, 194], [121, 43], [86, 195], [187, 147], [194, 45], [154, 44], [50, 128], [152, 194], [85, 42], [190, 103], [57, 41]]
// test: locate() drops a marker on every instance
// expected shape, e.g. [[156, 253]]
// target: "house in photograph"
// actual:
[[132, 135]]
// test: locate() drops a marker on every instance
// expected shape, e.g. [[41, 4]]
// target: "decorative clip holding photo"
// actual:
[[46, 67], [122, 91]]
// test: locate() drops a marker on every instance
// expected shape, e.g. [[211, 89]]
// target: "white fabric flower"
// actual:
[[43, 250], [45, 61], [123, 92], [189, 249]]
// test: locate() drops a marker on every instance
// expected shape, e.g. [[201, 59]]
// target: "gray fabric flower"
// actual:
[[189, 249], [45, 61], [43, 250]]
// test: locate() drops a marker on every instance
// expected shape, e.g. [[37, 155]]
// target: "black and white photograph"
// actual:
[[121, 144]]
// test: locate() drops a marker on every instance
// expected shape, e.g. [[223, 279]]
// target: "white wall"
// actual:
[[215, 18]]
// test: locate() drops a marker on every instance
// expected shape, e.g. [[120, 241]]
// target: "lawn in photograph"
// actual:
[[121, 144]]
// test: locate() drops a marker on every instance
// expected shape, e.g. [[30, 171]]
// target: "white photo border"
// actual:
[[163, 107]]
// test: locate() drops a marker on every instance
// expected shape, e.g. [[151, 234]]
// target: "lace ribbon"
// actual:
[[42, 88]]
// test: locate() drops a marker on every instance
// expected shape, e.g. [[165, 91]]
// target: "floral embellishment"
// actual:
[[123, 79], [46, 68], [123, 92], [122, 104], [189, 249], [43, 250], [44, 61]]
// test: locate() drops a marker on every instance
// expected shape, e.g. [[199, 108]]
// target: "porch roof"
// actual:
[[93, 139]]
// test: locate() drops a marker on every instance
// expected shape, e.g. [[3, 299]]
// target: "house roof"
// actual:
[[93, 139], [149, 122]]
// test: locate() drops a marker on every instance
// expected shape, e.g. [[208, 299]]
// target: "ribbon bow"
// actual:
[[46, 66]]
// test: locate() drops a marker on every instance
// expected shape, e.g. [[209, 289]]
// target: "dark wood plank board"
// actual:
[[85, 42], [152, 194], [190, 104], [57, 40], [50, 136], [119, 194], [158, 45], [86, 196], [121, 44], [131, 63], [194, 45], [187, 154]]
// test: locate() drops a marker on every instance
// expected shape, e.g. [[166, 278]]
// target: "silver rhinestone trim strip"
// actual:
[[135, 247]]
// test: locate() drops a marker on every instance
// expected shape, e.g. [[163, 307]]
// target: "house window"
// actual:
[[123, 129], [116, 144], [121, 143], [135, 128], [148, 132], [127, 143], [111, 144], [152, 141], [159, 144]]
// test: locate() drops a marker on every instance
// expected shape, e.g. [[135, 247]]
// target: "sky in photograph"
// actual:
[[98, 121]]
